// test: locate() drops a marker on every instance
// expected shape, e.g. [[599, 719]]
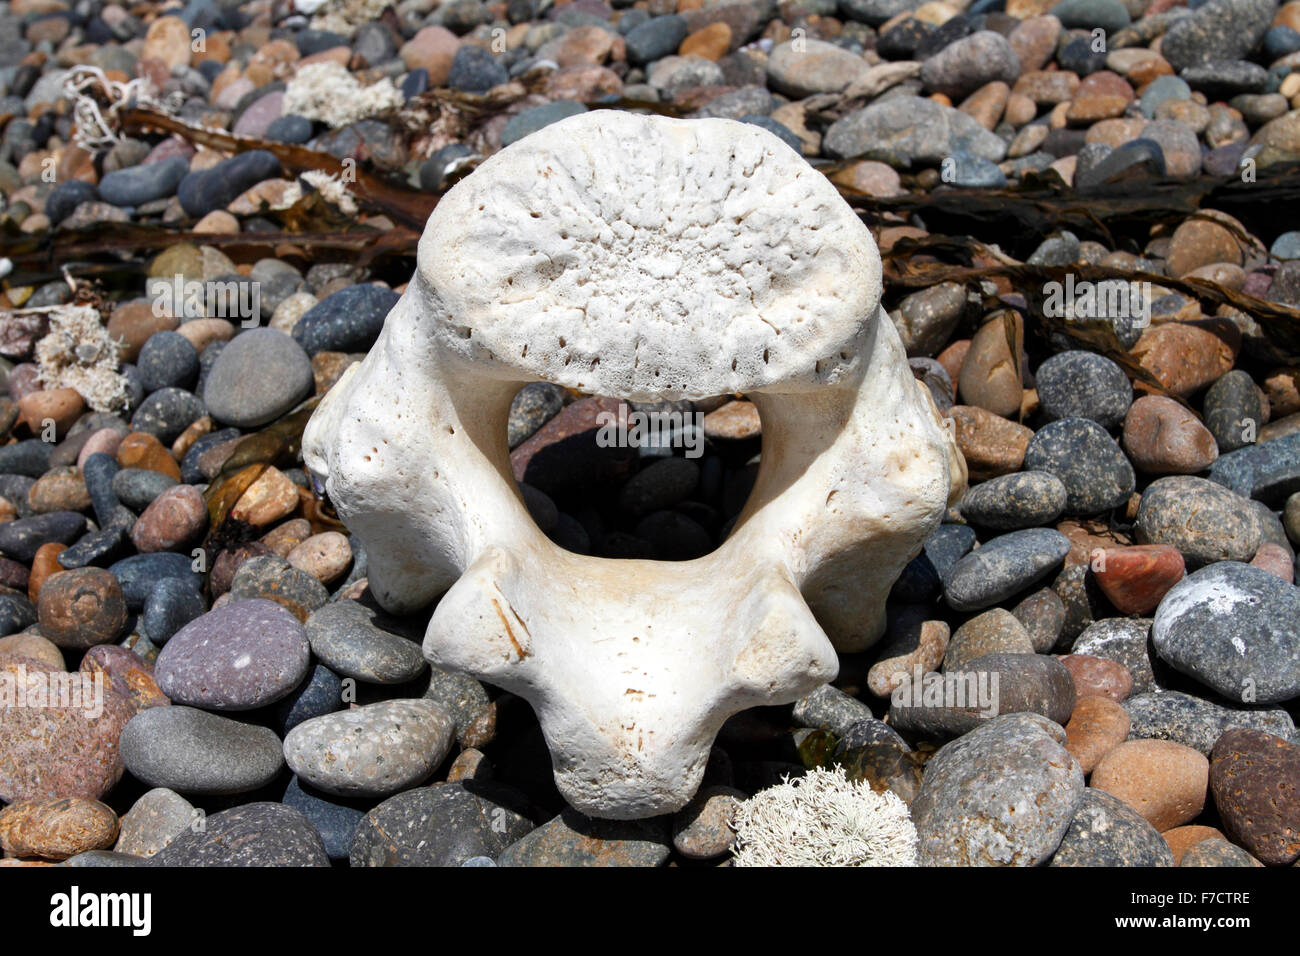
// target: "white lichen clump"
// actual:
[[78, 353], [824, 819], [344, 17], [329, 93], [332, 189]]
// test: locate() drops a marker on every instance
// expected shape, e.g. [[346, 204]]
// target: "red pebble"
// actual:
[[1136, 578]]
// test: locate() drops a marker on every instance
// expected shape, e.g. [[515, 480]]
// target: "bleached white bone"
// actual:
[[644, 258]]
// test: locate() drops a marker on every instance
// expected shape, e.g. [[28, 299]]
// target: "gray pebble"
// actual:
[[1124, 640], [1003, 567], [243, 655], [260, 375], [352, 640], [1234, 628], [1198, 723], [194, 752]]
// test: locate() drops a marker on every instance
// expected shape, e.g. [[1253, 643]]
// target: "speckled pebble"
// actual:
[[442, 825], [255, 834], [370, 751], [1107, 832], [1002, 795], [1010, 502], [1078, 451]]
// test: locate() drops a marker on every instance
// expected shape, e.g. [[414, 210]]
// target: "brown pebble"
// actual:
[[328, 367], [126, 673], [155, 820], [1274, 559], [865, 176], [57, 407], [1255, 779], [995, 631], [57, 829], [1287, 425], [1149, 69], [44, 564], [1200, 242], [952, 358], [903, 653], [132, 323], [283, 538], [62, 749], [1085, 109], [482, 730], [218, 222], [187, 438], [991, 444], [734, 421], [712, 42], [1034, 39], [1217, 853], [1181, 839], [1097, 726], [470, 764], [358, 590], [1164, 438], [1043, 615], [1282, 386], [212, 460], [60, 489], [702, 829], [81, 608], [990, 378], [201, 333], [106, 441], [325, 556], [1164, 781], [987, 104], [1086, 536], [268, 499], [1221, 273], [141, 450], [34, 646], [1019, 110], [174, 521], [1136, 579], [227, 563], [1184, 358], [1048, 87]]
